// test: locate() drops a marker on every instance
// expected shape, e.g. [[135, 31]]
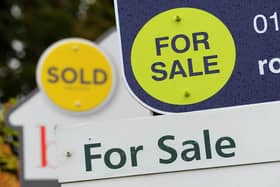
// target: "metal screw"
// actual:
[[187, 94], [68, 154], [77, 103], [75, 48], [177, 18]]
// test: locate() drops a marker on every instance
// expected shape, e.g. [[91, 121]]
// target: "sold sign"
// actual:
[[75, 75]]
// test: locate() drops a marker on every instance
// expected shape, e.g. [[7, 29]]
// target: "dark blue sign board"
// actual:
[[254, 25]]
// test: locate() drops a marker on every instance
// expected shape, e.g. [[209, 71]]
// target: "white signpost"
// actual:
[[262, 175], [38, 117], [175, 146]]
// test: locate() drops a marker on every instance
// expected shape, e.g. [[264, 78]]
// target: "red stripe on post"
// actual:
[[44, 161]]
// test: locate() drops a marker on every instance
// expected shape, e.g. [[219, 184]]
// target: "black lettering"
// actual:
[[83, 81], [208, 64], [159, 45], [195, 150], [168, 149], [203, 40], [100, 76], [133, 152], [174, 46], [220, 147], [89, 156], [177, 65], [191, 71], [52, 72], [207, 144], [108, 160], [71, 79], [155, 68]]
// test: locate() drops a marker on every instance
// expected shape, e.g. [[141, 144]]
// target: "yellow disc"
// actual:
[[183, 56], [75, 75]]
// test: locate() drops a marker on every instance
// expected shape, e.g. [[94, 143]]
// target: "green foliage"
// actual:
[[37, 24], [8, 143]]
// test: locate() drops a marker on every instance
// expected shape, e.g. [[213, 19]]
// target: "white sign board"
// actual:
[[260, 175], [198, 140], [39, 118]]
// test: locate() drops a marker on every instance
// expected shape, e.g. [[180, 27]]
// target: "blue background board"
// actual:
[[245, 86]]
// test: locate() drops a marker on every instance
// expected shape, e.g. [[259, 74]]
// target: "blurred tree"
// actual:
[[28, 27], [8, 180], [9, 164]]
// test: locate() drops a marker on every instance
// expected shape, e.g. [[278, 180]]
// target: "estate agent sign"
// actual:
[[181, 56], [237, 136], [38, 115]]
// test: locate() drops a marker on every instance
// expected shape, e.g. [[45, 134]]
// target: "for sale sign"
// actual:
[[181, 56]]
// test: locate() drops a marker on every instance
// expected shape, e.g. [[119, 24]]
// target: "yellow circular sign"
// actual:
[[183, 56], [75, 75]]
